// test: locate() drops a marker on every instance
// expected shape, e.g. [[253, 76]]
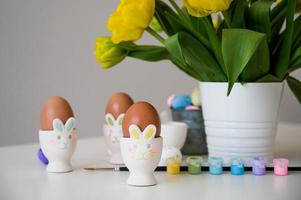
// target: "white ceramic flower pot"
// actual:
[[243, 124], [112, 137], [141, 162]]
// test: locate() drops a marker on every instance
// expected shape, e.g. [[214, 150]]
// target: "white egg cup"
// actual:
[[174, 135], [113, 132], [141, 154], [58, 145]]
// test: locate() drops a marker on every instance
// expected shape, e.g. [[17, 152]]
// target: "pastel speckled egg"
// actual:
[[180, 102], [192, 108], [196, 97], [170, 99]]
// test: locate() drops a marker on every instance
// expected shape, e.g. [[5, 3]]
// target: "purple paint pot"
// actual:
[[42, 157], [259, 166]]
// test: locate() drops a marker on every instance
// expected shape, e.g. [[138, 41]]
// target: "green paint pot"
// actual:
[[194, 164]]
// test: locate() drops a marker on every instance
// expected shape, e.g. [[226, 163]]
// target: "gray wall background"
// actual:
[[46, 49]]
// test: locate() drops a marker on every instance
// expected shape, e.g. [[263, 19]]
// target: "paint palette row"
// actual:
[[237, 166]]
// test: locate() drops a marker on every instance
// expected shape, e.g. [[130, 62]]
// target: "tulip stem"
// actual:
[[155, 34]]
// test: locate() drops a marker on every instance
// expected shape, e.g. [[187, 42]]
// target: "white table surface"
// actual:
[[23, 177]]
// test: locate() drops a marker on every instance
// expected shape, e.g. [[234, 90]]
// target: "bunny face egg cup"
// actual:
[[141, 154], [113, 133], [59, 144]]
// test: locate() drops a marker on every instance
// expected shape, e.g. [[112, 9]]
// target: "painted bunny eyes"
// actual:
[[70, 137], [135, 146], [149, 145], [58, 137]]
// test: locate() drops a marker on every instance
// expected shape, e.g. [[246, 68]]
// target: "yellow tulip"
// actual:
[[201, 8], [130, 20], [107, 53]]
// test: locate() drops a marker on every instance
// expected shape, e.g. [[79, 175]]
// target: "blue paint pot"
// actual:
[[237, 166], [215, 165]]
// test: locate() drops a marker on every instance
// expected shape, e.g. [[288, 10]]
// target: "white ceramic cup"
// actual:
[[141, 164], [58, 148], [112, 137], [174, 135]]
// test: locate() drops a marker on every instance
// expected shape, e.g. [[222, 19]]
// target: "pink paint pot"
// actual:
[[280, 166]]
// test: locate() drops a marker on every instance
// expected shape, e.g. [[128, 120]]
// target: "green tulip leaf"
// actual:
[[295, 61], [176, 56], [198, 60], [259, 64], [297, 33], [196, 23], [149, 53], [296, 56], [238, 47], [295, 86], [160, 13], [197, 56], [269, 78], [258, 17], [235, 15], [284, 51]]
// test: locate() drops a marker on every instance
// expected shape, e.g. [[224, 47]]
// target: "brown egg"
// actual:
[[119, 103], [54, 107], [141, 114]]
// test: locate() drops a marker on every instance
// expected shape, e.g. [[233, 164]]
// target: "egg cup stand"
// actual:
[[58, 154], [116, 159], [113, 146], [174, 136], [141, 170]]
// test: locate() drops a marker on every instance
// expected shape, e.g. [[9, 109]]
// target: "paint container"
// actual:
[[237, 166], [173, 165], [259, 166], [280, 166], [194, 164], [215, 165]]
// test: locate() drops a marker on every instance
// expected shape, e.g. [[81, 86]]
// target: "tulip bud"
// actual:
[[107, 53]]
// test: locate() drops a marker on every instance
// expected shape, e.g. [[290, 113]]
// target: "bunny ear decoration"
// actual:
[[110, 120], [58, 125], [149, 132], [134, 132], [70, 124], [120, 119]]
